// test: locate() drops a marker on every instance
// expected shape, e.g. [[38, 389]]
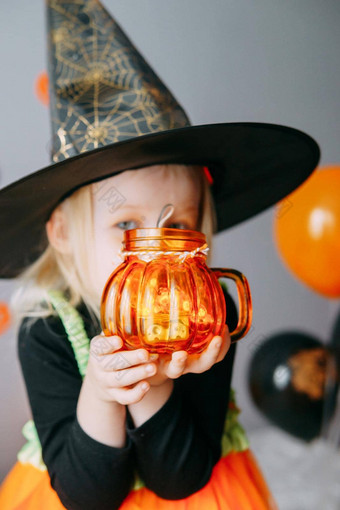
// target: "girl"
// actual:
[[114, 428], [132, 412]]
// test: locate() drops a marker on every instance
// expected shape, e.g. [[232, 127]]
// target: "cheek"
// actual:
[[107, 264], [107, 258]]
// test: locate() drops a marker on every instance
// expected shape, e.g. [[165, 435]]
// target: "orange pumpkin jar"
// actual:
[[164, 297]]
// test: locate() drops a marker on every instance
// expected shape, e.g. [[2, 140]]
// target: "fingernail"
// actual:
[[153, 356], [218, 344], [145, 386], [150, 368], [115, 340], [142, 356]]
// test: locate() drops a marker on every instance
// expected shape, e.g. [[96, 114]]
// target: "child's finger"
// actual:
[[209, 356], [125, 359], [225, 344], [126, 377], [177, 364], [101, 345], [104, 350], [126, 396]]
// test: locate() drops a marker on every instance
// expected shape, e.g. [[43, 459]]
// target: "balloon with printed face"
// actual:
[[293, 382], [307, 231], [41, 88]]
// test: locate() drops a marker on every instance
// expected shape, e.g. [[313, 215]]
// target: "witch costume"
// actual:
[[111, 113]]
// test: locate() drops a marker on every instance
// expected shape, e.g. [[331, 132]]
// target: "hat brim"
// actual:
[[253, 166]]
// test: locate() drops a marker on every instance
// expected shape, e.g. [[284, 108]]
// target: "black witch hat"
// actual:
[[110, 112]]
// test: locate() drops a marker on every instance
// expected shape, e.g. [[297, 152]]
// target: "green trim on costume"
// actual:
[[233, 439], [31, 452], [74, 327]]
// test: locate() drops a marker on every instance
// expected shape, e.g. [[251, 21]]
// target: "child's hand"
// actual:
[[181, 362], [119, 376]]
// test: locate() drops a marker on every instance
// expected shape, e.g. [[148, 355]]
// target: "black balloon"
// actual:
[[292, 379]]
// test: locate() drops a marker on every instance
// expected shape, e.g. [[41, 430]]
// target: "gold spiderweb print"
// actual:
[[103, 91]]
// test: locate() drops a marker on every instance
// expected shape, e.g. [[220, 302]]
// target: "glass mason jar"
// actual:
[[164, 298]]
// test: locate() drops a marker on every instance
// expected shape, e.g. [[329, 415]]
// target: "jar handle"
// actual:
[[244, 300]]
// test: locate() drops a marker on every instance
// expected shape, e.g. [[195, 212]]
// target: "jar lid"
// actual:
[[158, 233], [163, 239]]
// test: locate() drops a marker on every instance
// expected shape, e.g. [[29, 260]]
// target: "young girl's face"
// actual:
[[134, 199]]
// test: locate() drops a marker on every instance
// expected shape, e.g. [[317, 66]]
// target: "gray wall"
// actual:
[[226, 61]]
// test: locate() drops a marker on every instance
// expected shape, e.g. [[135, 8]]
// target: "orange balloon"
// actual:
[[5, 317], [307, 231], [41, 88]]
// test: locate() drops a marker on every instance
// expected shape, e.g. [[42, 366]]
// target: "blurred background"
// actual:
[[225, 61]]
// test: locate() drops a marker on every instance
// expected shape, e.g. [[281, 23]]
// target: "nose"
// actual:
[[149, 221], [156, 219]]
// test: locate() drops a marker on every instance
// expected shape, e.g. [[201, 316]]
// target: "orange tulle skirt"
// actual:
[[236, 484]]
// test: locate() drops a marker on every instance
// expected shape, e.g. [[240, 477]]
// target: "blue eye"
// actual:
[[181, 226], [126, 225]]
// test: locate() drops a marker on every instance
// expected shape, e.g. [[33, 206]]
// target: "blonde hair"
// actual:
[[65, 272]]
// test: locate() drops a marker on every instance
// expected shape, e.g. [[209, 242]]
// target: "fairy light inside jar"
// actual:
[[171, 320], [202, 312]]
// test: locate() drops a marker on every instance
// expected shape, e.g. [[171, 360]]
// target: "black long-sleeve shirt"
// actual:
[[173, 452]]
